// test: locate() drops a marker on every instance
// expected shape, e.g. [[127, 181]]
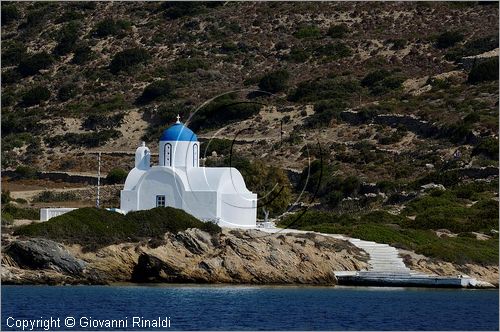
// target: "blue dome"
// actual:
[[178, 132]]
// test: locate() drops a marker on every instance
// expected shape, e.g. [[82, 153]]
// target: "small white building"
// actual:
[[217, 194]]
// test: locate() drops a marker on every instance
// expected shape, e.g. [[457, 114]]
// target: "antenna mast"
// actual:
[[97, 203]]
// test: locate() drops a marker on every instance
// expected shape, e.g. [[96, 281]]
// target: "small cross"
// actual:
[[178, 119]]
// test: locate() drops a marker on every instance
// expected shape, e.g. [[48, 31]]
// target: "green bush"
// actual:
[[274, 82], [116, 175], [487, 147], [177, 9], [100, 121], [11, 76], [84, 139], [338, 31], [82, 54], [473, 47], [156, 90], [333, 51], [67, 37], [95, 228], [7, 219], [128, 59], [374, 77], [484, 71], [5, 196], [67, 91], [220, 145], [381, 81], [299, 54], [308, 32], [325, 88], [397, 44], [12, 53], [111, 27], [448, 39], [376, 226], [26, 172], [189, 65], [222, 111], [10, 13], [35, 96], [269, 182], [324, 112], [20, 213], [53, 196], [32, 64]]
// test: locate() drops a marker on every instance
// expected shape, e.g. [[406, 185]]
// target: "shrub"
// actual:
[[229, 47], [220, 145], [112, 27], [299, 54], [67, 91], [10, 76], [338, 31], [308, 32], [116, 175], [325, 88], [26, 172], [484, 71], [35, 96], [397, 44], [101, 121], [274, 82], [324, 112], [20, 213], [381, 81], [52, 196], [10, 13], [374, 226], [82, 54], [84, 139], [12, 53], [95, 228], [32, 64], [473, 47], [128, 59], [67, 38], [448, 39], [222, 111], [189, 65], [5, 196], [177, 9], [156, 90], [488, 147], [374, 77], [333, 51]]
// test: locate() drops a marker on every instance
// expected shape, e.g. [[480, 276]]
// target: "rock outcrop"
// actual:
[[234, 256]]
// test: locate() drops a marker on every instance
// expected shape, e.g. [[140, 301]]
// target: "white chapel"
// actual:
[[216, 194]]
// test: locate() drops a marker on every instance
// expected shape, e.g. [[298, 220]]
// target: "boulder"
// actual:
[[39, 254]]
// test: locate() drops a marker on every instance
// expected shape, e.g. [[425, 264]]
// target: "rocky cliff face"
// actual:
[[234, 256]]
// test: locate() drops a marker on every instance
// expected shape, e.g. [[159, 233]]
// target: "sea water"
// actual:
[[216, 307]]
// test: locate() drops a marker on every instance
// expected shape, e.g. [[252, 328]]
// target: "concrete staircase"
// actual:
[[383, 258]]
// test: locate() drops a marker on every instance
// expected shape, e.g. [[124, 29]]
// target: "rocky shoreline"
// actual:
[[194, 256]]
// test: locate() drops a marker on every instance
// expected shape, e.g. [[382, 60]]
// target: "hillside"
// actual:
[[350, 107]]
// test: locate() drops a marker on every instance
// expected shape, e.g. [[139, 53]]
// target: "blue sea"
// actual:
[[207, 307]]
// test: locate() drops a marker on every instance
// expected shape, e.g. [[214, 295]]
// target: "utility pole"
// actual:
[[97, 203]]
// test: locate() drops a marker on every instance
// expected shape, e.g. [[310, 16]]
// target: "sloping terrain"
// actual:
[[348, 107]]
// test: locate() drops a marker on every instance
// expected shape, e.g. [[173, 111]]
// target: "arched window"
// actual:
[[195, 155], [167, 155]]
